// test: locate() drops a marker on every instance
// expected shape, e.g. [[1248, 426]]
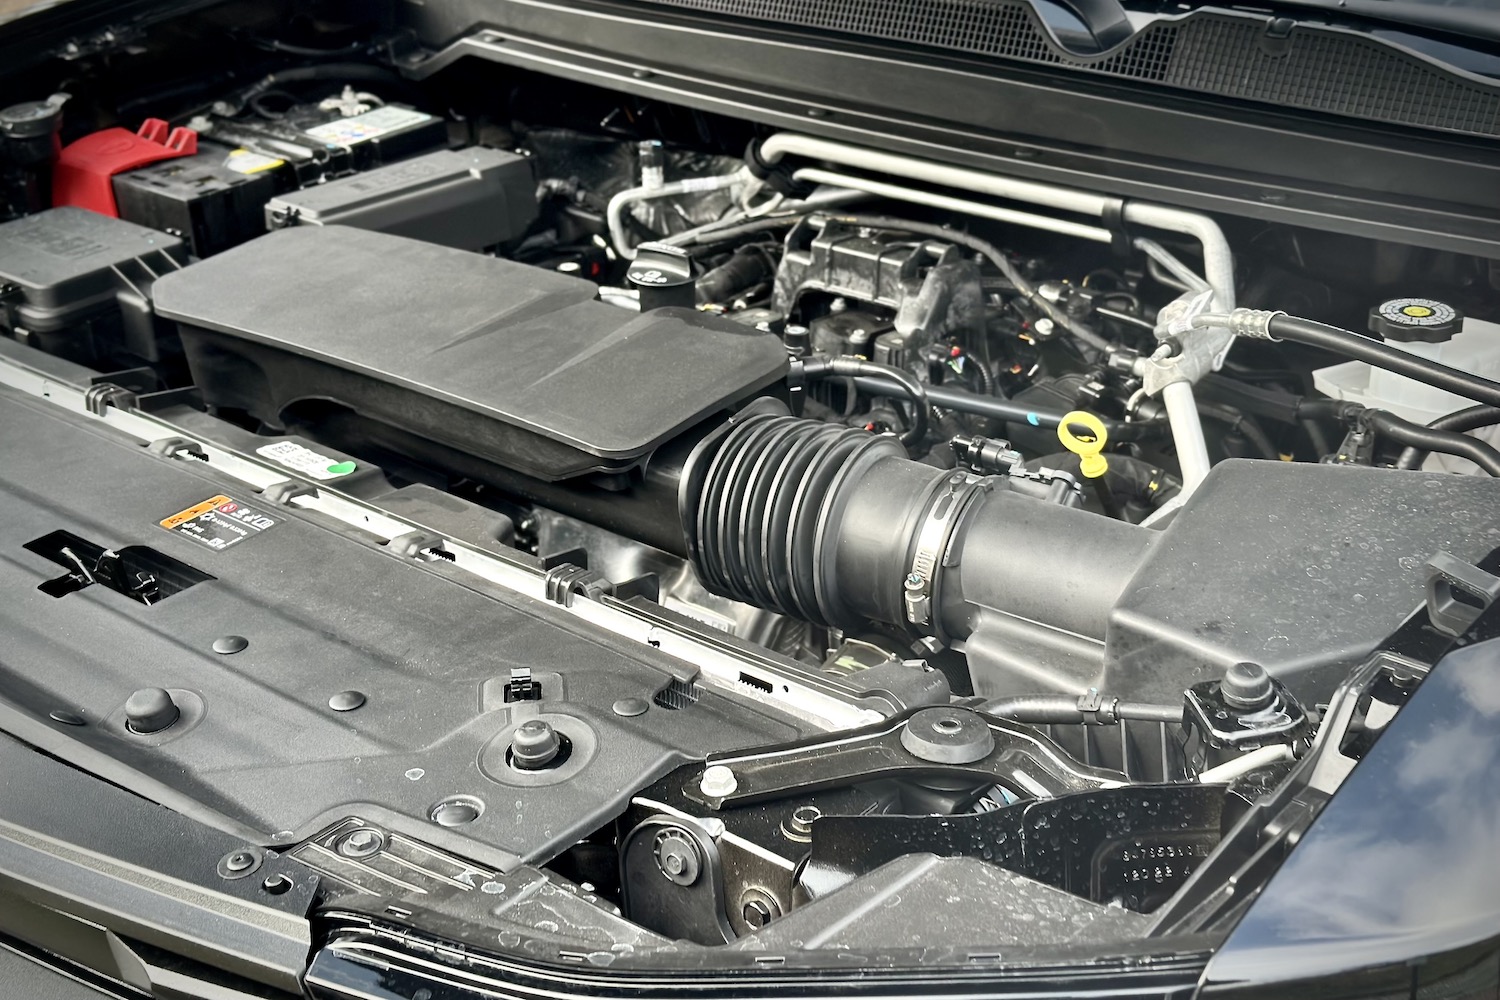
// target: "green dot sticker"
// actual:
[[302, 459]]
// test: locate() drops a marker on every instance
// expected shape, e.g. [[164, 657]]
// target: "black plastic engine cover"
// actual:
[[513, 364]]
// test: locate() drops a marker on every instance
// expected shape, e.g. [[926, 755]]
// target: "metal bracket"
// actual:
[[1198, 350], [954, 742]]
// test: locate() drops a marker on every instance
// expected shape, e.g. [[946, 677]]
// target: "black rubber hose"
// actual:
[[747, 267], [1469, 419], [988, 387], [1282, 407], [1000, 409], [308, 52], [1377, 353], [343, 72], [1317, 439], [1415, 435], [1241, 424], [1046, 709], [820, 368]]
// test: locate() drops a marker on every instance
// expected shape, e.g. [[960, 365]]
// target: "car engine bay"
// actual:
[[596, 527]]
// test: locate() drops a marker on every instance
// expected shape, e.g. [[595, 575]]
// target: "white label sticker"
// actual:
[[368, 125], [305, 460]]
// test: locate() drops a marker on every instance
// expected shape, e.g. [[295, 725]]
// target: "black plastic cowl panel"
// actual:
[[1248, 57], [513, 364]]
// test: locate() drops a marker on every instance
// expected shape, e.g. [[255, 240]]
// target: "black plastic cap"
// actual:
[[663, 274], [150, 710], [1247, 686], [534, 745], [1410, 321], [32, 119]]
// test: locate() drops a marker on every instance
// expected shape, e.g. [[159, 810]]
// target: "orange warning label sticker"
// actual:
[[219, 522]]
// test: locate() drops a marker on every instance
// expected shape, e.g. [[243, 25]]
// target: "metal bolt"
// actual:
[[239, 863], [758, 907], [361, 843], [677, 856], [276, 884], [756, 913], [913, 580], [798, 825], [718, 781]]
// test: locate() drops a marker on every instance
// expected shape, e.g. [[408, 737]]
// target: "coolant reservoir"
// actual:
[[1432, 330]]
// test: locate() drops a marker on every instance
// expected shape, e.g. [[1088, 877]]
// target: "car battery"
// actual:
[[469, 199], [316, 144], [216, 198]]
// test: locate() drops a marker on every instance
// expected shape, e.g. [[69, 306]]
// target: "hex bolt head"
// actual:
[[677, 856], [798, 826], [718, 781], [756, 913], [361, 843]]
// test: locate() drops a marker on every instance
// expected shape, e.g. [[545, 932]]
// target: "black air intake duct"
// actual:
[[838, 526]]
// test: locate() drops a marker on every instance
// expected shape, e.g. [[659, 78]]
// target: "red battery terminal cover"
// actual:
[[84, 168]]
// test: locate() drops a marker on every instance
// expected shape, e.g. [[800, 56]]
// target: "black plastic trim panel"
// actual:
[[1229, 54], [1416, 189]]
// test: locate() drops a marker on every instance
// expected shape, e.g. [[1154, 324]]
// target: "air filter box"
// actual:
[[512, 364]]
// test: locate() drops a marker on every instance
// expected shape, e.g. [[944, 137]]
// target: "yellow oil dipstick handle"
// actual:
[[1090, 451]]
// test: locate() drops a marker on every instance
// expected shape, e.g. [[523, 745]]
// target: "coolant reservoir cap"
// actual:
[[1416, 321]]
